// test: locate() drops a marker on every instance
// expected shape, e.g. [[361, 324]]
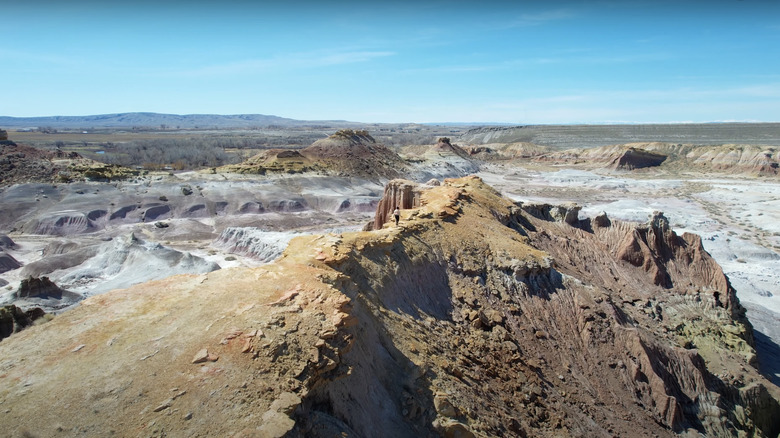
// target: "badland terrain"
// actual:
[[213, 279]]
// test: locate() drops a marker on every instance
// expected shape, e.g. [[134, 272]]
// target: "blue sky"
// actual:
[[514, 62]]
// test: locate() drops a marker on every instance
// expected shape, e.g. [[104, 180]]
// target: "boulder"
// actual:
[[568, 213], [8, 262], [42, 287], [13, 319]]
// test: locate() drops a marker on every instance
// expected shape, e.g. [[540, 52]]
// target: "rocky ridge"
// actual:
[[749, 159], [25, 164], [504, 151], [356, 154], [476, 317], [271, 161], [730, 159], [755, 160], [619, 157]]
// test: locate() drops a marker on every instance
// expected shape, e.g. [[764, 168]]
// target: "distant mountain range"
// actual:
[[172, 121]]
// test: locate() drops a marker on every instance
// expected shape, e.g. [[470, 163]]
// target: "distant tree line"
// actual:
[[405, 138], [186, 153], [176, 153]]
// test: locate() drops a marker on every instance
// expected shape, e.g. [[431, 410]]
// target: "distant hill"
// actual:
[[156, 120], [588, 136]]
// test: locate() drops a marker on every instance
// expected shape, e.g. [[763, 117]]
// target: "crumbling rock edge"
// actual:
[[476, 316]]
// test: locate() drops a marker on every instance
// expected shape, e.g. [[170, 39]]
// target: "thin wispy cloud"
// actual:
[[542, 61], [540, 18], [37, 57], [295, 61], [351, 57], [450, 69]]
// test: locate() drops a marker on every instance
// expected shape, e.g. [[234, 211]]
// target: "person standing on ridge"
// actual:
[[397, 215]]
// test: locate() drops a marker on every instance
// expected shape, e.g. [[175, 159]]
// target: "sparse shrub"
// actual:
[[43, 319]]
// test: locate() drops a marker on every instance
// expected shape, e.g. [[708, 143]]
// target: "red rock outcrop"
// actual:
[[398, 193]]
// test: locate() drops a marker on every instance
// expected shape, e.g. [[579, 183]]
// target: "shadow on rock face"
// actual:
[[768, 356]]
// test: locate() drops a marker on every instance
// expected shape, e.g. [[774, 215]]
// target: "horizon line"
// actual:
[[494, 123]]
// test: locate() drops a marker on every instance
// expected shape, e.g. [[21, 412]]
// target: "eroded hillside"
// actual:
[[476, 316]]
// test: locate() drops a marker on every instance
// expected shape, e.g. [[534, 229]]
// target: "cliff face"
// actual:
[[620, 157], [398, 193], [476, 317], [756, 160]]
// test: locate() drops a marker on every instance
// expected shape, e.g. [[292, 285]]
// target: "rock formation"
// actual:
[[7, 261], [21, 163], [6, 242], [499, 151], [14, 319], [446, 160], [444, 146], [42, 287], [562, 213], [634, 158], [738, 159], [476, 317], [755, 160], [355, 153], [398, 193], [3, 135], [620, 157], [264, 246], [272, 161]]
